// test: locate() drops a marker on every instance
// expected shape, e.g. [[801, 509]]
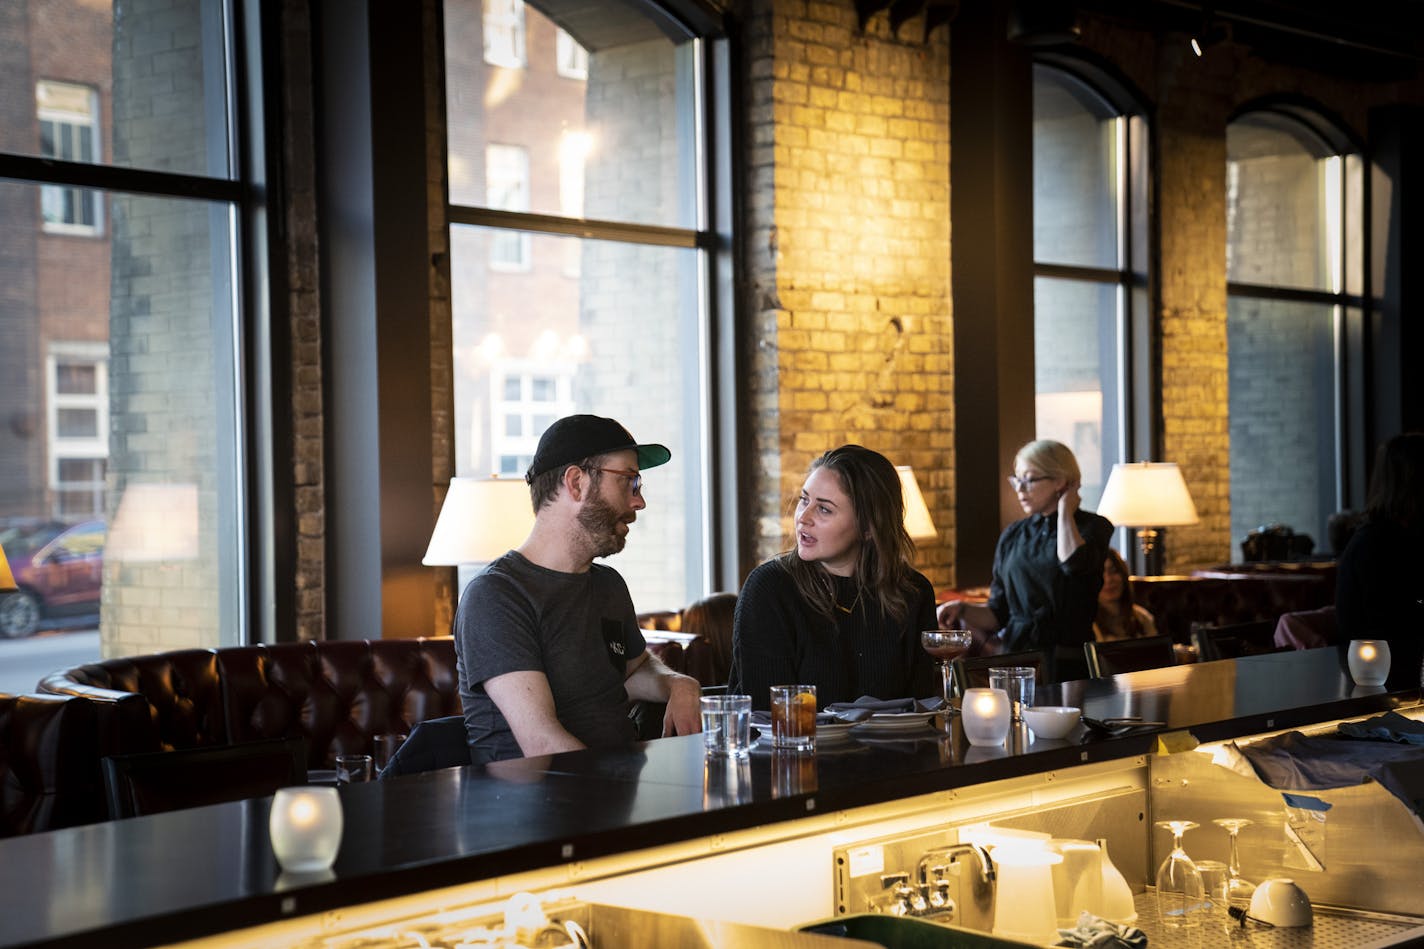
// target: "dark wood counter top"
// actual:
[[207, 870]]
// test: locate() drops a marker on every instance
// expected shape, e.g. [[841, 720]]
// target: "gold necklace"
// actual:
[[853, 603]]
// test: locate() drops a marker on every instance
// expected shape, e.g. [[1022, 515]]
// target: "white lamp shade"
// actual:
[[1147, 494], [155, 523], [917, 513], [305, 827], [479, 521], [7, 579]]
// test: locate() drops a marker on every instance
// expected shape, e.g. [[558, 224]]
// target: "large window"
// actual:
[[1088, 264], [579, 255], [1293, 271], [119, 380]]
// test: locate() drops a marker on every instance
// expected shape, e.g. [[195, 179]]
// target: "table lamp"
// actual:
[[480, 520], [1147, 495], [917, 513]]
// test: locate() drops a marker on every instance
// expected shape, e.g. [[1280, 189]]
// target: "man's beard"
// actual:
[[599, 521]]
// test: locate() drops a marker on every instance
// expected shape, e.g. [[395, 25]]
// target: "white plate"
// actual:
[[834, 731], [895, 722], [826, 732]]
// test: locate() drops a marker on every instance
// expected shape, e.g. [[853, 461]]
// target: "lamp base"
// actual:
[[1151, 551]]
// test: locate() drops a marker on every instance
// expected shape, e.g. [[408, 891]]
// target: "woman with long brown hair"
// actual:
[[1118, 616], [843, 609]]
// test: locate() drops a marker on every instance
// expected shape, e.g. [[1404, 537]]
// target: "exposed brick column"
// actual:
[[848, 255], [304, 324], [1191, 208]]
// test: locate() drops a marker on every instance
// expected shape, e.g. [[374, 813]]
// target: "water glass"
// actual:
[[793, 716], [353, 769], [1215, 876], [385, 747], [1018, 682], [727, 725]]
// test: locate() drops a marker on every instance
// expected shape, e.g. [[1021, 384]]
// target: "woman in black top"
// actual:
[[1379, 588], [1048, 567], [843, 610]]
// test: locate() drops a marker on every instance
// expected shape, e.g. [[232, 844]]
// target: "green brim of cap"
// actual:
[[650, 456]]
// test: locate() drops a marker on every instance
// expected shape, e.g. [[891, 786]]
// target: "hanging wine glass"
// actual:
[[1181, 901], [1238, 890]]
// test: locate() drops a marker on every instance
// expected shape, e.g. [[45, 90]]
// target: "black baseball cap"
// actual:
[[575, 437]]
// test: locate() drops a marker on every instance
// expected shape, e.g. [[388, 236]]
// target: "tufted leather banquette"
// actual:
[[337, 695], [1217, 599], [49, 775]]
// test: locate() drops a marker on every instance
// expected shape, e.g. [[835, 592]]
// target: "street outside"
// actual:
[[23, 662]]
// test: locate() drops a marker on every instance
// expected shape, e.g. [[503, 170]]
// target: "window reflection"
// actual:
[[596, 125], [119, 362]]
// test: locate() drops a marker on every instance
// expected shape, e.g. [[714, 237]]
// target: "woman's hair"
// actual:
[[883, 570], [1131, 625], [1397, 484], [1054, 459], [711, 618]]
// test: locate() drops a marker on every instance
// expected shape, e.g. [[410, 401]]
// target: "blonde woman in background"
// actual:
[[1048, 567]]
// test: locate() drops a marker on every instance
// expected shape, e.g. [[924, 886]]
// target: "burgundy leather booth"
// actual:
[[49, 764], [337, 695], [1219, 599]]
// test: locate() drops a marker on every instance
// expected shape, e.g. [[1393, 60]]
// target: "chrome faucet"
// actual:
[[951, 854], [900, 898]]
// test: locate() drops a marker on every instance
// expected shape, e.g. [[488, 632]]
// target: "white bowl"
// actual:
[[1052, 721], [1282, 903]]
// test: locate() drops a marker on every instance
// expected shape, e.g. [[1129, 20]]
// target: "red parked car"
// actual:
[[58, 568]]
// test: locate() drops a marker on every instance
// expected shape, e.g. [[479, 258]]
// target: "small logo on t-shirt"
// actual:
[[613, 641]]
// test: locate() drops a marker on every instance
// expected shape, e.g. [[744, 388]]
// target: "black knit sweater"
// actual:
[[778, 639]]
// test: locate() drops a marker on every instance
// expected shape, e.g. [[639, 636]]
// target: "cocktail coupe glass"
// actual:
[[1238, 890], [946, 645], [1181, 901]]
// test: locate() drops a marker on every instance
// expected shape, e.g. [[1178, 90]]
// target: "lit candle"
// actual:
[[1369, 661], [305, 827], [986, 716]]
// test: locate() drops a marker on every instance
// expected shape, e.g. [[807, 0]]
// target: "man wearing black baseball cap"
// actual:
[[548, 645]]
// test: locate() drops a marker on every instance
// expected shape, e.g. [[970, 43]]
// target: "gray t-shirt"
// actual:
[[579, 629]]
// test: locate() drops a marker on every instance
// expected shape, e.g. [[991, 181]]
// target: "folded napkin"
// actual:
[[1391, 726], [1100, 933], [762, 718], [868, 705]]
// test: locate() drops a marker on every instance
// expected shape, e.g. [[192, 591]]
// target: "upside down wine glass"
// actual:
[[1181, 902], [946, 645], [1238, 890]]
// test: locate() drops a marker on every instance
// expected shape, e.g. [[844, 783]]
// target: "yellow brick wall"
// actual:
[[848, 222], [1191, 161]]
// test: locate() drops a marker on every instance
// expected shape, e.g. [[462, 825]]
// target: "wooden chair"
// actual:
[[1235, 640], [1128, 655], [973, 672], [159, 781]]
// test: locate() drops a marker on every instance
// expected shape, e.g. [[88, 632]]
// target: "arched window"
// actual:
[[1089, 252], [1294, 217], [581, 241]]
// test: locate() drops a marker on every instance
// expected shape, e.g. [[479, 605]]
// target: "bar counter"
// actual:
[[204, 871]]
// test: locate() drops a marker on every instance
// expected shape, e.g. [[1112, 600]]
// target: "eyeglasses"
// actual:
[[1026, 484], [635, 480]]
